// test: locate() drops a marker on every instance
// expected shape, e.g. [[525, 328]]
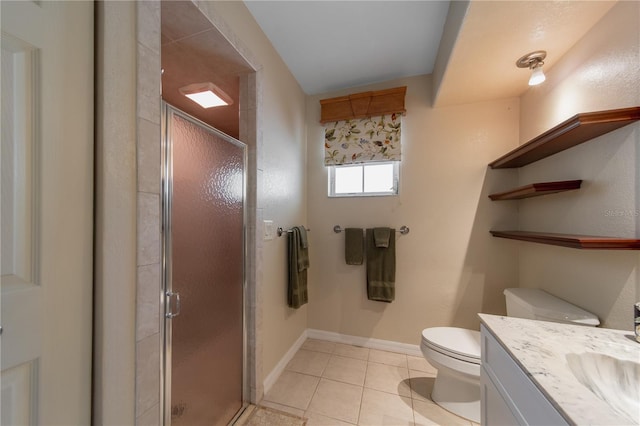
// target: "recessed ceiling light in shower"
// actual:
[[207, 95]]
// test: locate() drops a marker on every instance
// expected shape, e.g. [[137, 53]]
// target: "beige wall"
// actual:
[[281, 177], [600, 72], [448, 267]]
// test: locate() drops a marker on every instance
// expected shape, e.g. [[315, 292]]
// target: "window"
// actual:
[[364, 180]]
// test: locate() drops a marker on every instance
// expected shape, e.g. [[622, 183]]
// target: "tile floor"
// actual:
[[336, 384]]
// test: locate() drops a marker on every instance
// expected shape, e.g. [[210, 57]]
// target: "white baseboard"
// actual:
[[280, 366], [366, 342]]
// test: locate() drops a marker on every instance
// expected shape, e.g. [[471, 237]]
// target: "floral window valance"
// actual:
[[363, 140], [363, 127]]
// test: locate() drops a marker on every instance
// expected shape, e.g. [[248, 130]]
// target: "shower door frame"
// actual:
[[166, 203]]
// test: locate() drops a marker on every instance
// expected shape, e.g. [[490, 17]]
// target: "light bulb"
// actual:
[[537, 76]]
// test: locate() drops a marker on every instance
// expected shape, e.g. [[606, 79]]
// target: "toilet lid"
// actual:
[[458, 341]]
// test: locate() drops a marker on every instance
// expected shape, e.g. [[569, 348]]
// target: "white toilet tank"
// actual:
[[533, 303]]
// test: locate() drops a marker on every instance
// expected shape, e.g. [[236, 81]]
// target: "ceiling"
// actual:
[[194, 51], [494, 34], [330, 45]]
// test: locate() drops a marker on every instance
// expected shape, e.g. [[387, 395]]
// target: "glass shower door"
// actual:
[[204, 273]]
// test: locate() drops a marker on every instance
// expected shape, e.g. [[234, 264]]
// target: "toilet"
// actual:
[[455, 352]]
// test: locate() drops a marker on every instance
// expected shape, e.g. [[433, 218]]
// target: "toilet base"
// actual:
[[457, 395]]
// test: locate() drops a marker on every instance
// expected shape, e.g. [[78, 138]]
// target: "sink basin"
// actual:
[[616, 381]]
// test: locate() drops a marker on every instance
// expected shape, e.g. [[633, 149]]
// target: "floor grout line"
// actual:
[[364, 382], [313, 395]]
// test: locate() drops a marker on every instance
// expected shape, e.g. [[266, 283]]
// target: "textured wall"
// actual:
[[600, 72], [449, 268], [281, 177]]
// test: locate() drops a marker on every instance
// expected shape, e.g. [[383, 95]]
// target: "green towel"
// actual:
[[353, 246], [303, 248], [381, 268], [297, 289], [381, 236], [303, 236]]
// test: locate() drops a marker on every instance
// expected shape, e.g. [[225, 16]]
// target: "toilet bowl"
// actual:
[[455, 352]]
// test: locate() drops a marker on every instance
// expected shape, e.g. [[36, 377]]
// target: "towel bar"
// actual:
[[404, 230], [282, 231]]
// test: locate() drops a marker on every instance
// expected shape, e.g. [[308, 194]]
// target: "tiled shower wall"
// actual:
[[148, 290], [149, 270]]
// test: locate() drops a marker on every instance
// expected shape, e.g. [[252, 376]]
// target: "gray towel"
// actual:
[[353, 246], [381, 268], [297, 289]]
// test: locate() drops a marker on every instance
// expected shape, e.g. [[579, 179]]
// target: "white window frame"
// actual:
[[332, 181]]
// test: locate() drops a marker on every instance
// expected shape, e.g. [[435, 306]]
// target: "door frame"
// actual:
[[127, 316]]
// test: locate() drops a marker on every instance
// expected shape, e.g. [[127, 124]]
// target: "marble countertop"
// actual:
[[540, 348]]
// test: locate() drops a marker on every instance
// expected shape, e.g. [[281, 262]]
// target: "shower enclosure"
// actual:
[[204, 181]]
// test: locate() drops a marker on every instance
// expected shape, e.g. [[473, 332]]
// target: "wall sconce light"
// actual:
[[534, 61], [207, 95]]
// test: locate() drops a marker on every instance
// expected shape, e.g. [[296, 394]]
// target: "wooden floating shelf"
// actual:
[[572, 241], [536, 190], [578, 129]]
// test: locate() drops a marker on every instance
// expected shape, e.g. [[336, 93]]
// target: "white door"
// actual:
[[46, 212]]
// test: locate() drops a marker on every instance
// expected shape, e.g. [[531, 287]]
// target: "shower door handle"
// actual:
[[170, 296]]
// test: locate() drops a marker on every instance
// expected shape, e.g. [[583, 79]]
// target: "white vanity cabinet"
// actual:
[[508, 396]]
